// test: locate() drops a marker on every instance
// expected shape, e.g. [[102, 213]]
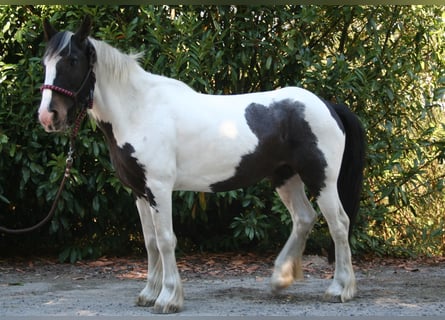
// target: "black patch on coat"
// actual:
[[286, 146], [128, 170]]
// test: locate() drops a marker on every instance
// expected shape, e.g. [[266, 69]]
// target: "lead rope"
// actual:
[[66, 175]]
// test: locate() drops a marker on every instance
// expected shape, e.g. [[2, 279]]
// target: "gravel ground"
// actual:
[[224, 286]]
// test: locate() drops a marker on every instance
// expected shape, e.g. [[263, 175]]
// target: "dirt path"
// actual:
[[228, 284]]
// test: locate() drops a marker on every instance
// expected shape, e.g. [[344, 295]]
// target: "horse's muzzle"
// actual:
[[46, 120], [51, 122]]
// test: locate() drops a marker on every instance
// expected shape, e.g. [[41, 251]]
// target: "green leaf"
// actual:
[[268, 62], [4, 199], [96, 204], [6, 27]]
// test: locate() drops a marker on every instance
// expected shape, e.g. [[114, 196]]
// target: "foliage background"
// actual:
[[385, 62]]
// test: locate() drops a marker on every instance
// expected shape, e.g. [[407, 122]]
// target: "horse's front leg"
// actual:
[[150, 293], [171, 297]]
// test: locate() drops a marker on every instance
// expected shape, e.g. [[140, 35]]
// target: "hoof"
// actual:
[[285, 276], [332, 299], [337, 293], [144, 302], [277, 286], [169, 301], [169, 308]]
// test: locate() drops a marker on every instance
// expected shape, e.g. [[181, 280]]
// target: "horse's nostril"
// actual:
[[55, 114]]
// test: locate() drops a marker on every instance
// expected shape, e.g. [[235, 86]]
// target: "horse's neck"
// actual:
[[123, 86], [117, 77]]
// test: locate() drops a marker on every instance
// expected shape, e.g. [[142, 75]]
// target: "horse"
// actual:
[[164, 136]]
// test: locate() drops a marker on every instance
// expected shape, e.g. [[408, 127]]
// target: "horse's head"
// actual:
[[69, 76]]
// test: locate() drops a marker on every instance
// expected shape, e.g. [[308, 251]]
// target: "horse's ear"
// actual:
[[84, 30], [48, 30]]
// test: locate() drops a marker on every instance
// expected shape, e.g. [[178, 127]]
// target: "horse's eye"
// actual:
[[73, 61]]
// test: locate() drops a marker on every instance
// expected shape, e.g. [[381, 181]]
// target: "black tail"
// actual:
[[350, 180]]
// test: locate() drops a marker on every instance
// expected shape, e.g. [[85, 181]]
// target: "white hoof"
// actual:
[[169, 301], [168, 308], [286, 275], [337, 293], [147, 297]]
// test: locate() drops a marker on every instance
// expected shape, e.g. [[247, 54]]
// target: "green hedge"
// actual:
[[386, 62]]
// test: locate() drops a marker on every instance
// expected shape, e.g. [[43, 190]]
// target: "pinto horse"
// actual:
[[164, 136]]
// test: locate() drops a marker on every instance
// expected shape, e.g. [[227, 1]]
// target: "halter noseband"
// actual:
[[74, 95]]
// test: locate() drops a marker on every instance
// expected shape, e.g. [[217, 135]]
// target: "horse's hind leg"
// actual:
[[288, 263], [343, 285], [150, 293]]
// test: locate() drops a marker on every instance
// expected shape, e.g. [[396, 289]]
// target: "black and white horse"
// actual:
[[164, 136]]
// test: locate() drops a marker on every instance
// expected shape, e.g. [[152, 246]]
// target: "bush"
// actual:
[[386, 63]]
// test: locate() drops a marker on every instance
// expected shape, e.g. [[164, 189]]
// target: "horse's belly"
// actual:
[[209, 165]]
